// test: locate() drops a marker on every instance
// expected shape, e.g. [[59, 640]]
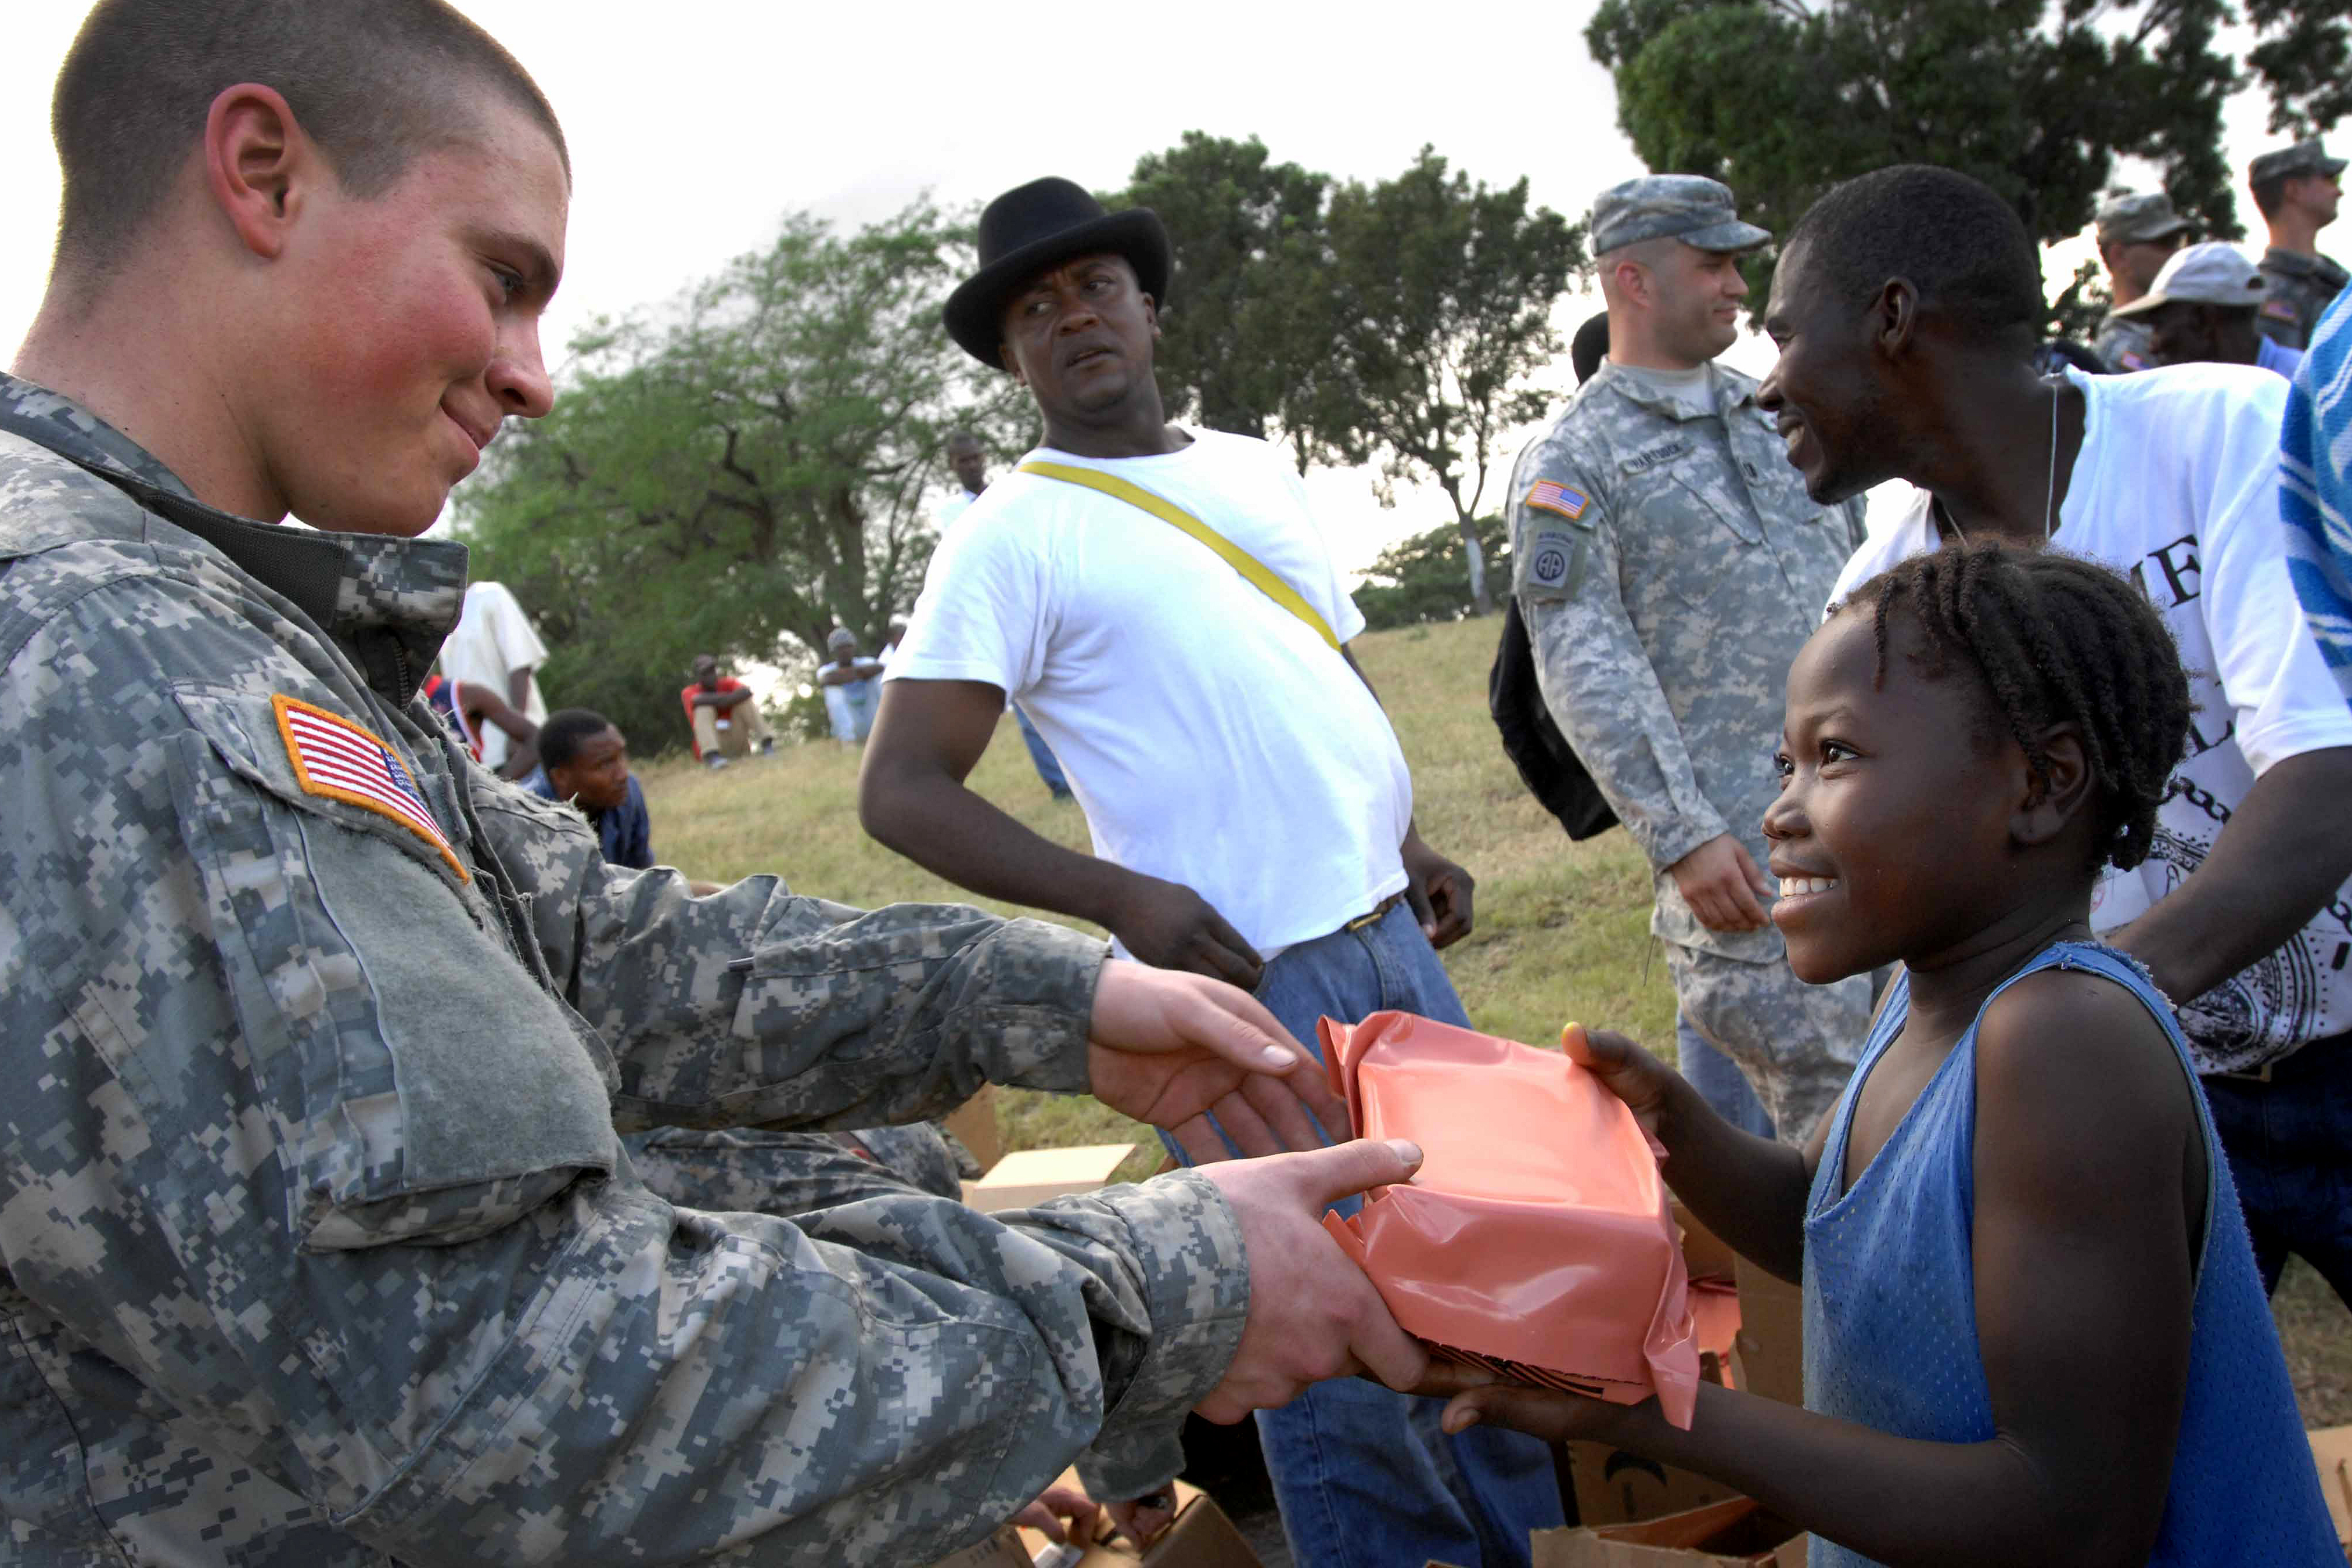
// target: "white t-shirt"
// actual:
[[2176, 485], [1213, 737], [493, 639]]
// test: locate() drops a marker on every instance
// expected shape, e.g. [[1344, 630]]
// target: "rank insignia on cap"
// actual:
[[2279, 310], [1553, 495], [338, 760]]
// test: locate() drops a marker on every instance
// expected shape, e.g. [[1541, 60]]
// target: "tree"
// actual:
[[745, 467], [1781, 99], [1443, 294], [1425, 578], [1247, 312]]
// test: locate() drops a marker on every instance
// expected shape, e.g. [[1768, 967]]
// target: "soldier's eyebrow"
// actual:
[[541, 274]]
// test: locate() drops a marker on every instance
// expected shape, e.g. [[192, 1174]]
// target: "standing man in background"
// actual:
[[496, 646], [2204, 306], [2296, 189], [1251, 811], [2138, 234], [1668, 567]]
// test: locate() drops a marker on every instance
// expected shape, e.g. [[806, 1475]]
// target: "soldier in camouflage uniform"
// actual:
[[1668, 565], [2137, 235], [2297, 190], [323, 1239]]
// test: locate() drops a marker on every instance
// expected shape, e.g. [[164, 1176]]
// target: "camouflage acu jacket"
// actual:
[[1669, 565], [318, 1243]]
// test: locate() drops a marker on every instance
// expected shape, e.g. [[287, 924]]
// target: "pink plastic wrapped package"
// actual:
[[1536, 1241]]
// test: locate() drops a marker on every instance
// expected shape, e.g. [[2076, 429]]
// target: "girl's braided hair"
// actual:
[[2058, 640]]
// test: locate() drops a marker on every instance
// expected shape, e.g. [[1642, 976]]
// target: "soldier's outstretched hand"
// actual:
[[1312, 1313], [1169, 1048]]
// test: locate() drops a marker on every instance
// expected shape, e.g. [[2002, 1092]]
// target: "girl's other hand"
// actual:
[[1645, 1083], [1545, 1413]]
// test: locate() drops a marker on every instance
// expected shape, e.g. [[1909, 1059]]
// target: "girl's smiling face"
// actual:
[[1890, 835]]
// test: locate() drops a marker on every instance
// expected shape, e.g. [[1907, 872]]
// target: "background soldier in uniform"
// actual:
[[2137, 235], [319, 1242], [2297, 189], [1669, 566]]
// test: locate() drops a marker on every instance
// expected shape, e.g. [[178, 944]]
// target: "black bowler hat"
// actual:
[[1038, 225]]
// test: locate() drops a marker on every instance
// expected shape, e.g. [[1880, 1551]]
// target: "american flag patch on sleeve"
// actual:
[[338, 760], [1553, 495]]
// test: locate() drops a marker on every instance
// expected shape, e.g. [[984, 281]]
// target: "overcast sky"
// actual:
[[695, 126]]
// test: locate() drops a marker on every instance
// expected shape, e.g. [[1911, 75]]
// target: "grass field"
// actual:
[[1562, 929]]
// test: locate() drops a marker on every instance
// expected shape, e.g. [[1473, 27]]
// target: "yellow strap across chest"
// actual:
[[1256, 572]]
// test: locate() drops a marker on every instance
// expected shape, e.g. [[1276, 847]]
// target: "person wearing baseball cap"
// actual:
[[1163, 601], [1667, 566], [2296, 189], [2138, 233], [2203, 306]]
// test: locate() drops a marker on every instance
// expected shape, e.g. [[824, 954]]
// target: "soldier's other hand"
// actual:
[[1312, 1313], [1439, 892], [1721, 883], [1168, 926], [1142, 1520], [1173, 1048], [1065, 1515]]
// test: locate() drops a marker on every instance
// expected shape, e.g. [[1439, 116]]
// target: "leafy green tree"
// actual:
[[1782, 98], [1426, 577], [1248, 317], [1444, 293], [741, 472]]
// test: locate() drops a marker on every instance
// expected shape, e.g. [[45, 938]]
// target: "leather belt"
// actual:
[[1383, 907]]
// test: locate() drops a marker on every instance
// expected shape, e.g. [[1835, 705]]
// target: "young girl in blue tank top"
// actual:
[[2034, 1328]]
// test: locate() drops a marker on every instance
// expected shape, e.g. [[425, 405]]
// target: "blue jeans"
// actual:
[[2289, 1144], [1049, 766], [1718, 1080], [1363, 1475]]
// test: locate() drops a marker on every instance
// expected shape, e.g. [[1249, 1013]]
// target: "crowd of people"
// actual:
[[406, 1167]]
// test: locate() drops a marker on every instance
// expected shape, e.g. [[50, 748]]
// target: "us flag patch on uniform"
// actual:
[[338, 760], [1553, 495], [2279, 310]]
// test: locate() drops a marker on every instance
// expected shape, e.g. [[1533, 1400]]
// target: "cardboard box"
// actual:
[[1772, 1343], [974, 1124], [1030, 1178], [2331, 1450], [1202, 1537], [1613, 1487], [1002, 1549], [1737, 1534]]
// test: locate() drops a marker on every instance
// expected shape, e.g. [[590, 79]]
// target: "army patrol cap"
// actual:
[[2213, 273], [1689, 207], [2304, 158], [2138, 219]]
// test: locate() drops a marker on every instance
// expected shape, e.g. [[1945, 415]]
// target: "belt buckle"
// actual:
[[1383, 907]]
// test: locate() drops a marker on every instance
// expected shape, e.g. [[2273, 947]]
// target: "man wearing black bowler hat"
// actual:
[[1163, 604]]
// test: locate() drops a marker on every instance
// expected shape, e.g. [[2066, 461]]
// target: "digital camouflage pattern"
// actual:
[[2124, 344], [2302, 288], [320, 1242], [1669, 565]]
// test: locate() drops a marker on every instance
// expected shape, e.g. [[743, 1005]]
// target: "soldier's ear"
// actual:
[[259, 165]]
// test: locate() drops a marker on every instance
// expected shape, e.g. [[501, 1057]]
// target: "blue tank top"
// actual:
[[1890, 1311]]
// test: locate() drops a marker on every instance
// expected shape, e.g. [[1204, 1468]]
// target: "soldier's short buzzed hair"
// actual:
[[375, 83], [1955, 240]]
